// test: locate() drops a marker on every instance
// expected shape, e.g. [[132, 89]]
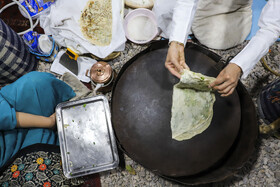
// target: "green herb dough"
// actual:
[[192, 106]]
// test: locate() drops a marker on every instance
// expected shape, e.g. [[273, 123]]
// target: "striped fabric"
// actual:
[[15, 59]]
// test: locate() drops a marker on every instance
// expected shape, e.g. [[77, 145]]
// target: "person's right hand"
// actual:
[[175, 60], [227, 80]]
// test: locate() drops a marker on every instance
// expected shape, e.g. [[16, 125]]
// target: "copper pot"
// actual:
[[101, 75]]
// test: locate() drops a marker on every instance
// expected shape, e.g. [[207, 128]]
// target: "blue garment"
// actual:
[[269, 102], [35, 93]]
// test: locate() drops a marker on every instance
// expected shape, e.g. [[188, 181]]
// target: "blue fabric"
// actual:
[[257, 7], [35, 93]]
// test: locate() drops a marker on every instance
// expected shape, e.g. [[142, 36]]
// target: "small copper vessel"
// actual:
[[101, 73]]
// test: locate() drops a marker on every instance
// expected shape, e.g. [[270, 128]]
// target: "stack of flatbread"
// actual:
[[192, 107], [139, 3], [96, 22]]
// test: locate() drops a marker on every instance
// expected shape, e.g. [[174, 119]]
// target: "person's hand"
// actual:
[[175, 60], [52, 120], [227, 80]]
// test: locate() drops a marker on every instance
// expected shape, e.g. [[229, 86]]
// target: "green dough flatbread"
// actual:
[[192, 107]]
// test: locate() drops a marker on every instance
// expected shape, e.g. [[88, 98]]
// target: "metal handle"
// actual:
[[87, 74]]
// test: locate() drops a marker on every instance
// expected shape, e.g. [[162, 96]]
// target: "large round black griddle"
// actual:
[[141, 113]]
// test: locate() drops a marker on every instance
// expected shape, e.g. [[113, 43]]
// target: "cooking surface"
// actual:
[[141, 113]]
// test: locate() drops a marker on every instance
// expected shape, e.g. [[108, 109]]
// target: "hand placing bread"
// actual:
[[139, 3]]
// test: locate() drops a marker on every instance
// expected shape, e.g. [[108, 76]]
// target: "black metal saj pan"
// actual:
[[141, 113]]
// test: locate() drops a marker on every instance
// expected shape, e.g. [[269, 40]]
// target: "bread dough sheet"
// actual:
[[192, 105]]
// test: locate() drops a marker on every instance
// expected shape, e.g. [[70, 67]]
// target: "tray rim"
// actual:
[[112, 138]]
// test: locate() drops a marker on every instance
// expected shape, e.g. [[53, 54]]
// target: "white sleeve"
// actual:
[[183, 15], [268, 33]]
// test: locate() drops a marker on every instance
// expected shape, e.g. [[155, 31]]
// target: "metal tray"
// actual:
[[86, 137]]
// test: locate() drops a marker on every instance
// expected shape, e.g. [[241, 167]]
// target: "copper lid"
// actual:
[[101, 72]]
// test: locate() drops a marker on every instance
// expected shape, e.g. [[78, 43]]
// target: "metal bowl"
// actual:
[[140, 12]]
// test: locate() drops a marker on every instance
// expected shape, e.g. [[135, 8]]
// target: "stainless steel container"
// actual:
[[86, 137]]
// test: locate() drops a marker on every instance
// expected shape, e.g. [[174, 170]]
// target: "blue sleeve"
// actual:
[[8, 119], [37, 93]]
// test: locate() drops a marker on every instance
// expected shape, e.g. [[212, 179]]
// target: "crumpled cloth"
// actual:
[[62, 22], [79, 88]]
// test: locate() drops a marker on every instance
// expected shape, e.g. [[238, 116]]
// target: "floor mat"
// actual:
[[40, 165]]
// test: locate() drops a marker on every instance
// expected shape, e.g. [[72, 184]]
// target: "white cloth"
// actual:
[[258, 46], [63, 24], [164, 16], [84, 64], [175, 19]]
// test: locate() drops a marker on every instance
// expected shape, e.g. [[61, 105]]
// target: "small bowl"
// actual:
[[144, 13]]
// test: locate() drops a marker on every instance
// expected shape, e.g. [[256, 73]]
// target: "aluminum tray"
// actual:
[[86, 137]]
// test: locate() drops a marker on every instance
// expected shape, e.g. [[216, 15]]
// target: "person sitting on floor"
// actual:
[[27, 112], [183, 16], [15, 58]]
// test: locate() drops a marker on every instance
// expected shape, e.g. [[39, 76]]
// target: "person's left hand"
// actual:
[[175, 60], [227, 80]]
